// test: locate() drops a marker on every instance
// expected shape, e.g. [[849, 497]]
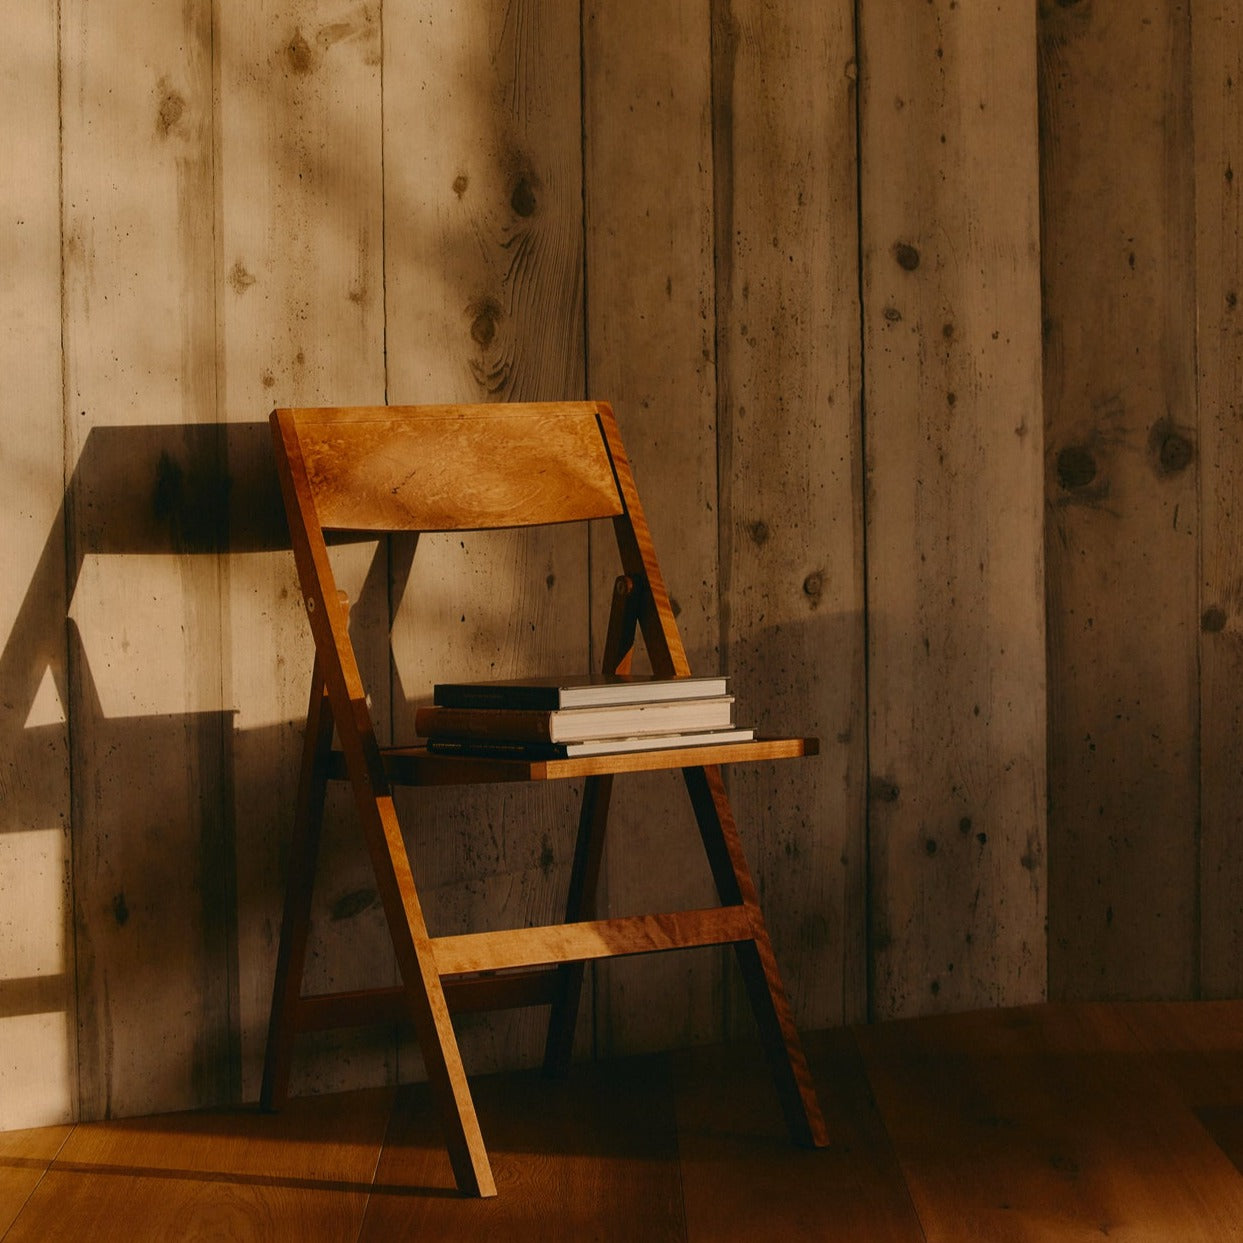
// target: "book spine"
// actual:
[[508, 698], [504, 724], [495, 750]]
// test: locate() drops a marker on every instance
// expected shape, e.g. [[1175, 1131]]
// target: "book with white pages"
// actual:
[[500, 750], [672, 716], [582, 691]]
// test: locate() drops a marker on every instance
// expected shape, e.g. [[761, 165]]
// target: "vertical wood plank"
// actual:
[[1217, 85], [153, 851], [483, 272], [791, 476], [650, 317], [38, 1033], [1118, 266], [954, 449], [300, 289]]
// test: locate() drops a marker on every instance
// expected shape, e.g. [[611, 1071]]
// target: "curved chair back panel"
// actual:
[[450, 468]]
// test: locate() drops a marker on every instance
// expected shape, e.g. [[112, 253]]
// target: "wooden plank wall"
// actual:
[[1121, 490], [648, 175], [38, 1027], [797, 245], [300, 304], [483, 245], [152, 849], [791, 488], [948, 177], [1217, 86]]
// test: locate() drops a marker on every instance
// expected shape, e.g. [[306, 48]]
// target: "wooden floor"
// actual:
[[1048, 1123]]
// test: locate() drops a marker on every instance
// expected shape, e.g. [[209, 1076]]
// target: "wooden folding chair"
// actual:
[[456, 468]]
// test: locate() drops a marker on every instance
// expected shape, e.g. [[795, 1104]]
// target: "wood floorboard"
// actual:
[[740, 1173], [304, 1174], [1048, 1123], [1198, 1046], [24, 1157], [593, 1156], [1225, 1125]]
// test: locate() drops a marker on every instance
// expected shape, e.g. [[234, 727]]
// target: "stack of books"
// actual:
[[554, 718]]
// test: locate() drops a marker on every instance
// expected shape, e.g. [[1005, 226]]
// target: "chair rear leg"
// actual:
[[778, 1033], [296, 916], [581, 904], [619, 640]]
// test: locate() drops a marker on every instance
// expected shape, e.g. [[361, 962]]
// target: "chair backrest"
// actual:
[[454, 468], [460, 468]]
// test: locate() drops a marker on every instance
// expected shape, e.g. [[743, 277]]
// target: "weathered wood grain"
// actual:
[[305, 203], [651, 315], [152, 825], [38, 1029], [300, 284], [483, 279], [956, 682], [1217, 108], [1121, 482], [790, 452]]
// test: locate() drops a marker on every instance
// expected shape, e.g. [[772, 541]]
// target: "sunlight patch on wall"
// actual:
[[36, 1071], [32, 904], [36, 1050], [46, 708]]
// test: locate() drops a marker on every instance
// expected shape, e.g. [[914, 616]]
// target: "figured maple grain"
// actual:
[[439, 472]]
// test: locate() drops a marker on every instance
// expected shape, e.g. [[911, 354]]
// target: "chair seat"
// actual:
[[415, 766]]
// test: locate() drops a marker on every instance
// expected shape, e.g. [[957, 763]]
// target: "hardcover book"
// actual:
[[497, 749], [573, 692], [575, 724]]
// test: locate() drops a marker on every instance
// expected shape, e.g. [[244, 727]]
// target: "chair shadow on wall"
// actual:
[[152, 793], [167, 910]]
